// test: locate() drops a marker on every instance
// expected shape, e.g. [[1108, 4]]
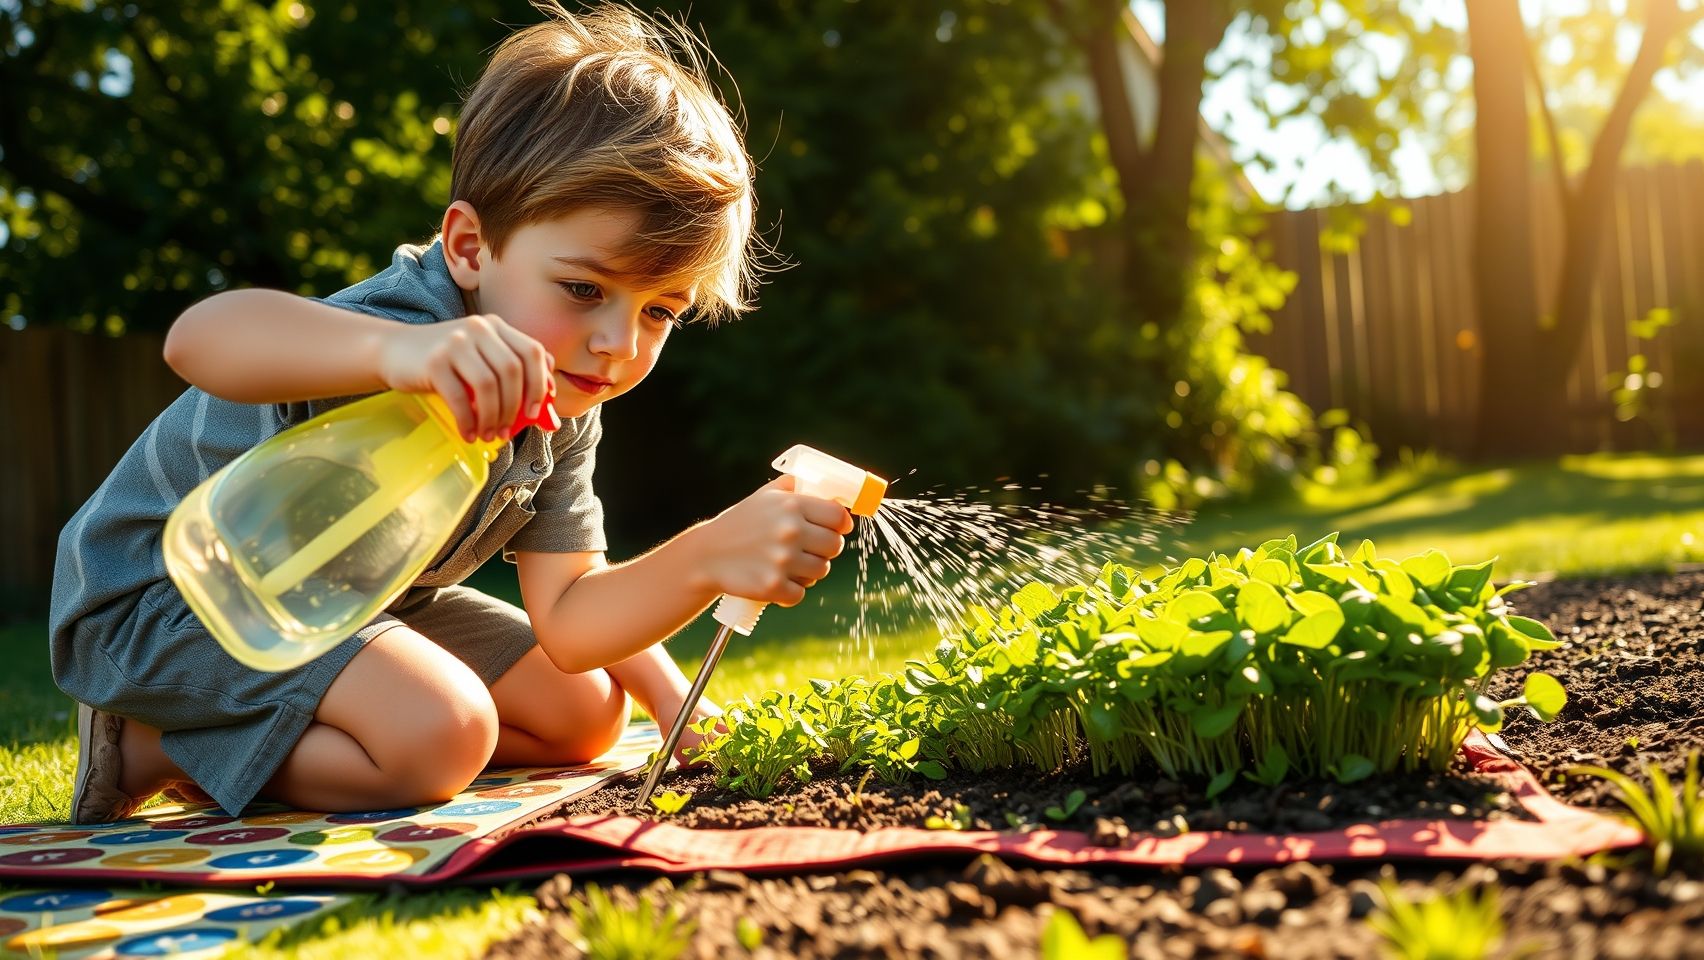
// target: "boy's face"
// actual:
[[561, 282]]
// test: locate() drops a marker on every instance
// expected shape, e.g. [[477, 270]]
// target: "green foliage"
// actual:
[[1064, 811], [1633, 391], [749, 934], [1275, 661], [1672, 820], [1461, 926], [155, 153], [959, 819], [1063, 939], [668, 801], [628, 930]]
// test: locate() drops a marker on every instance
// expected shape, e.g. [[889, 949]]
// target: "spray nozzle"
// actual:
[[820, 475], [816, 474]]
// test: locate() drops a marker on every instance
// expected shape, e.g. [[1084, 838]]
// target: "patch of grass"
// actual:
[[1572, 517], [447, 923]]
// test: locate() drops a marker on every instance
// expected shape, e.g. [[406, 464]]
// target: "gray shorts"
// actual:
[[229, 726]]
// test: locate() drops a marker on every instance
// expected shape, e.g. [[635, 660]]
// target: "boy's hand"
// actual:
[[775, 543], [503, 369]]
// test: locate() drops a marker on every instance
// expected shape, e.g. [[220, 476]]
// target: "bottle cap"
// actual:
[[545, 418]]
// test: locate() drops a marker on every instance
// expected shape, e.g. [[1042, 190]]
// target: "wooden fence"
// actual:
[[70, 405], [1388, 329]]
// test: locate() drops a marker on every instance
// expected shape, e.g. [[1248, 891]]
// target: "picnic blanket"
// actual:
[[485, 836]]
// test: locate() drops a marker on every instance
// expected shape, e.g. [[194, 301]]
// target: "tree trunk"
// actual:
[[1583, 218], [1527, 360], [1513, 418]]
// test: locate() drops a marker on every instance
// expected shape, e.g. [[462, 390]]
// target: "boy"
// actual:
[[600, 192]]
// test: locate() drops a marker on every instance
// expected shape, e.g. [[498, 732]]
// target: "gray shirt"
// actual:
[[538, 496]]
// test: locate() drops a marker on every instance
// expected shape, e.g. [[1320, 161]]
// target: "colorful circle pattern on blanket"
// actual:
[[131, 924], [203, 843]]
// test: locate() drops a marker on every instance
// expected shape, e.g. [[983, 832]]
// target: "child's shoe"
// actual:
[[96, 797]]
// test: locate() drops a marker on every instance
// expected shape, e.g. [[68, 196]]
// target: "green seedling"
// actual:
[[1672, 820], [1016, 821], [960, 819], [1063, 939], [639, 931], [749, 934], [1073, 800], [1458, 926], [668, 801]]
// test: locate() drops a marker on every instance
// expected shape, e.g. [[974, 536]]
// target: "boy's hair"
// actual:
[[611, 109]]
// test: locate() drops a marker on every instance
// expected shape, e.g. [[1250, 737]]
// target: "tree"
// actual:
[[153, 153], [1502, 229], [1527, 357]]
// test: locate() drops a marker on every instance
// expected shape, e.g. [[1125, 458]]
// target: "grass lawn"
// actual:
[[1573, 517]]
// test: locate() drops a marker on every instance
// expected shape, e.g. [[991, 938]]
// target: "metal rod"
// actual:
[[661, 763]]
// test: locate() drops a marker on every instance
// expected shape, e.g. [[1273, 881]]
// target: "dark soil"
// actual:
[[1631, 662]]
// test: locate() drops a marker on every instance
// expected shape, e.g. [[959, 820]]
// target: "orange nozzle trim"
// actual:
[[869, 495]]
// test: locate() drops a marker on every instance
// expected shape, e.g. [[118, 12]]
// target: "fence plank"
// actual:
[[1396, 326], [72, 403]]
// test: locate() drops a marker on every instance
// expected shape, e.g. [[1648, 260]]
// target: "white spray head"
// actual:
[[820, 475], [815, 474]]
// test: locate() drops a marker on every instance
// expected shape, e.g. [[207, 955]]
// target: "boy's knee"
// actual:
[[450, 745], [594, 730]]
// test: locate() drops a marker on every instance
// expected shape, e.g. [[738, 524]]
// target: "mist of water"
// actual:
[[927, 559]]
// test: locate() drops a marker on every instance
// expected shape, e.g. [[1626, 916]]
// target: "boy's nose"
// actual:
[[617, 336]]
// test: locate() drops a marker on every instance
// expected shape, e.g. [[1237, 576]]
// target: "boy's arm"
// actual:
[[267, 346], [769, 547], [588, 613]]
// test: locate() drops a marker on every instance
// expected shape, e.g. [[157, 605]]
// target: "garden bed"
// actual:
[[1632, 661]]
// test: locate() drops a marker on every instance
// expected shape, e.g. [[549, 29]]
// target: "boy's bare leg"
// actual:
[[144, 769], [551, 718], [405, 723]]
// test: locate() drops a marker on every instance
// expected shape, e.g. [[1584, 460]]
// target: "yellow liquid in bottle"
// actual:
[[299, 543]]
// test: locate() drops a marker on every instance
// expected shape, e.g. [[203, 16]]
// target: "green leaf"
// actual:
[[1429, 569], [1468, 582], [1035, 599], [1212, 722], [1102, 722], [1072, 801], [1316, 630], [1273, 571], [1309, 602], [1260, 606], [749, 934], [1191, 606], [1161, 634], [1538, 636], [1220, 783], [669, 801], [1508, 647], [1204, 644], [1545, 697], [931, 769], [1274, 766], [1063, 939], [1351, 767]]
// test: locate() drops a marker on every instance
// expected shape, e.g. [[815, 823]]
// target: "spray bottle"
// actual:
[[815, 474], [296, 544]]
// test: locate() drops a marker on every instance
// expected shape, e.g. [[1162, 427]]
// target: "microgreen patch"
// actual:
[[1276, 661]]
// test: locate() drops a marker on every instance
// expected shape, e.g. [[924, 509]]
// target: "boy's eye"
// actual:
[[580, 289], [664, 315]]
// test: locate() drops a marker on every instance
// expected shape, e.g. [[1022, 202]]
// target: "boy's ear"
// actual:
[[464, 246]]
